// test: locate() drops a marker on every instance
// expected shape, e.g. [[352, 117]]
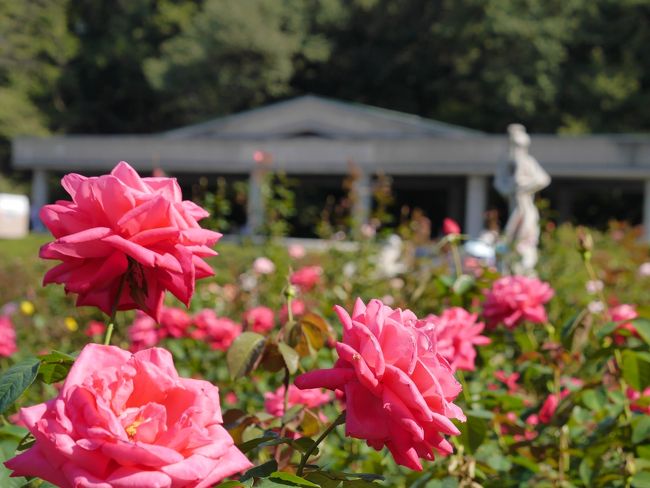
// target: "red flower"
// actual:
[[450, 227], [515, 299], [306, 277]]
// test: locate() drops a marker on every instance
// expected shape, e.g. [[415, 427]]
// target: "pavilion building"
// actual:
[[443, 169]]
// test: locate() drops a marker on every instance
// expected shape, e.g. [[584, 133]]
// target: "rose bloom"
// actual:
[[398, 389], [7, 337], [296, 251], [298, 308], [95, 328], [306, 277], [219, 332], [311, 398], [515, 299], [623, 313], [450, 227], [644, 270], [263, 266], [128, 420], [143, 332], [174, 322], [550, 406], [259, 319], [457, 332], [128, 235]]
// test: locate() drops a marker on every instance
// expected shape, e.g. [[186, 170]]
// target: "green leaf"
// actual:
[[568, 329], [586, 471], [244, 354], [463, 284], [7, 451], [323, 480], [472, 432], [304, 444], [230, 484], [636, 369], [290, 357], [16, 380], [641, 480], [261, 471], [642, 326], [606, 329], [640, 428], [643, 451], [55, 366], [291, 479]]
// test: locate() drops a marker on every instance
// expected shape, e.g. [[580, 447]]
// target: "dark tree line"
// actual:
[[117, 66]]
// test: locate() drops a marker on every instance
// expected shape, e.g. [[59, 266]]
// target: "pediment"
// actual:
[[312, 116]]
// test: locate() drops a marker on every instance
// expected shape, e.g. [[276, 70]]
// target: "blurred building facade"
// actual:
[[444, 170]]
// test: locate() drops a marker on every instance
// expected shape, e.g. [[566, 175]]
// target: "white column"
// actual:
[[363, 202], [40, 197], [255, 204], [646, 210], [475, 203]]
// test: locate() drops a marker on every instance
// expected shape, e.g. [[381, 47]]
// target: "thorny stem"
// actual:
[[111, 320], [305, 457]]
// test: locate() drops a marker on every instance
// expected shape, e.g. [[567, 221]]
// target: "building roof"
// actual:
[[316, 116]]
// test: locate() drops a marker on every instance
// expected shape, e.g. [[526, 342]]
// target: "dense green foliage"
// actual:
[[596, 437]]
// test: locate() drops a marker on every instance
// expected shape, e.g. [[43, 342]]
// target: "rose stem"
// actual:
[[305, 457], [111, 320]]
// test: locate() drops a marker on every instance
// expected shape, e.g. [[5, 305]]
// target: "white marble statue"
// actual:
[[518, 179]]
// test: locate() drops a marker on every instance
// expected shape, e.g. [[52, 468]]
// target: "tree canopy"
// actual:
[[118, 66]]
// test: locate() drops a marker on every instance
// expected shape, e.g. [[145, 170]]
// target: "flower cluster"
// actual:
[[205, 325]]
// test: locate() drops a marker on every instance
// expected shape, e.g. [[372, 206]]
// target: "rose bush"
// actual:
[[127, 420]]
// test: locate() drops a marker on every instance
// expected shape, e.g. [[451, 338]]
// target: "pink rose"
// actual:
[[128, 420], [450, 227], [95, 328], [398, 389], [219, 332], [143, 332], [296, 251], [311, 398], [7, 337], [306, 277], [550, 406], [174, 322], [623, 313], [123, 232], [263, 266], [298, 308], [259, 319], [457, 333], [515, 299]]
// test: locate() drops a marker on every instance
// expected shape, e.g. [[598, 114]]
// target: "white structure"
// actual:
[[14, 216], [315, 136], [518, 179]]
